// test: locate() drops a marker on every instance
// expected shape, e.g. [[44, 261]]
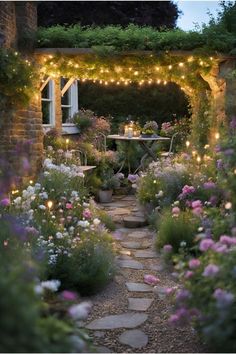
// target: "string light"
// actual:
[[217, 136], [187, 143], [50, 204], [198, 159]]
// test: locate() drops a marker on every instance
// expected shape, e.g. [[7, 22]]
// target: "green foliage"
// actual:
[[21, 308], [176, 229], [17, 78], [84, 120], [111, 39], [106, 219], [89, 268]]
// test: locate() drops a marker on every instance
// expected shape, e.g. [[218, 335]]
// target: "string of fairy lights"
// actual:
[[127, 71]]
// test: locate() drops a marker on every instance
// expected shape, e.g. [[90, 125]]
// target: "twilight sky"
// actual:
[[195, 11]]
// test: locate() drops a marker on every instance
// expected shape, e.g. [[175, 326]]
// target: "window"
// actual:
[[69, 101], [48, 103]]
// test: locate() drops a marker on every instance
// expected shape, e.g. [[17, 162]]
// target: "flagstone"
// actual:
[[139, 304], [138, 287], [125, 320], [134, 338]]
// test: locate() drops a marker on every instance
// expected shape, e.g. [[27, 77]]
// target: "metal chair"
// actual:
[[169, 152], [101, 142]]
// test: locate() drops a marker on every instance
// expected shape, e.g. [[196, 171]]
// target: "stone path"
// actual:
[[130, 315]]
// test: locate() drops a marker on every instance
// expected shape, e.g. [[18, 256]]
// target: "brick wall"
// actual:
[[21, 141], [7, 24]]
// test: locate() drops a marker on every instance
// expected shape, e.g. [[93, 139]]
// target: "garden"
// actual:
[[125, 239]]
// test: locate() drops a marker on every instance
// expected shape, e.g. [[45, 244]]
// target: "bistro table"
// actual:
[[145, 143]]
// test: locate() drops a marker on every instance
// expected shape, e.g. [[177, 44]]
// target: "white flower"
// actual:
[[37, 186], [83, 223], [160, 194], [96, 221], [17, 201], [80, 311], [42, 207], [59, 235], [50, 148], [68, 155], [38, 289], [52, 285]]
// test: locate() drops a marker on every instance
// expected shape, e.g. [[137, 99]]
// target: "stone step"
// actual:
[[125, 320], [134, 338], [130, 264], [145, 254], [133, 222], [138, 287], [139, 304]]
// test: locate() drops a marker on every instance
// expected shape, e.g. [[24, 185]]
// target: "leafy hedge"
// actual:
[[112, 39]]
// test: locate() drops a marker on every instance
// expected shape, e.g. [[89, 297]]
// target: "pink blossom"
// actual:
[[188, 274], [206, 244], [188, 189], [181, 316], [211, 270], [151, 279], [69, 295], [194, 263], [69, 218], [169, 291], [219, 248], [176, 211], [209, 185], [182, 295], [87, 214], [224, 298], [197, 204], [227, 240], [197, 211], [167, 248], [69, 206]]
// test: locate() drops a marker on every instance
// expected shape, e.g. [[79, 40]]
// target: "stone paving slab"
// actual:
[[119, 211], [131, 244], [125, 320], [134, 338], [137, 234], [130, 264], [139, 304], [138, 287], [145, 254], [133, 222]]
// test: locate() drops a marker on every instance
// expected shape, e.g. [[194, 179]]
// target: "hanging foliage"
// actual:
[[17, 77]]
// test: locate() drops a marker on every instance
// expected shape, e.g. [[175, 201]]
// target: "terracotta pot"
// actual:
[[105, 196]]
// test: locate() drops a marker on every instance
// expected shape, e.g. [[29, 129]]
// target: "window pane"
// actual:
[[65, 114], [65, 100], [46, 91], [46, 112]]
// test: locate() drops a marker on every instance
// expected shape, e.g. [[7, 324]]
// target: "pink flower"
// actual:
[[219, 248], [80, 311], [176, 211], [69, 295], [181, 316], [169, 291], [150, 279], [209, 185], [194, 263], [227, 240], [188, 274], [69, 206], [188, 189], [197, 204], [69, 218], [224, 298], [182, 295], [197, 211], [167, 248], [211, 270], [87, 214], [206, 244]]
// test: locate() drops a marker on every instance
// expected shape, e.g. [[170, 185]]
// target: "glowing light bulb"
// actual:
[[136, 73], [31, 182], [187, 143], [181, 64], [170, 67], [217, 136], [198, 159], [194, 153], [165, 82], [157, 68], [50, 204]]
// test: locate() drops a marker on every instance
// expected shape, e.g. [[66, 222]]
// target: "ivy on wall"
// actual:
[[17, 80]]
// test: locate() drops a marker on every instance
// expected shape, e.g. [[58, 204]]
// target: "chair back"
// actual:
[[171, 142]]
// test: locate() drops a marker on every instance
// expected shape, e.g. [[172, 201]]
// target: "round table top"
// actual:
[[138, 138]]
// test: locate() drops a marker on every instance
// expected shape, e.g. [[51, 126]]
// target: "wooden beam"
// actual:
[[67, 86], [45, 83]]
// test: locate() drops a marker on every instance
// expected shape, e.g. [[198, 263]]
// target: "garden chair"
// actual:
[[169, 152], [101, 142]]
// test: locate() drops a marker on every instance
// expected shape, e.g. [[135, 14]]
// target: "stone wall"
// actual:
[[21, 141]]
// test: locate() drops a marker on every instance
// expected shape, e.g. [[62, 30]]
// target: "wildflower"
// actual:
[[228, 205], [151, 279], [211, 270], [69, 206], [69, 295], [80, 311], [224, 298], [176, 211], [206, 244], [219, 248], [83, 223], [188, 274], [5, 202], [181, 316], [209, 185], [133, 178], [194, 263], [96, 221], [52, 285], [59, 235], [87, 213], [167, 248], [182, 295]]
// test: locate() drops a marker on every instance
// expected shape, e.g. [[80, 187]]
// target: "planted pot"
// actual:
[[105, 196]]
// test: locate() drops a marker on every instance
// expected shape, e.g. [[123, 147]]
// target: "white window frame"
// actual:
[[73, 101], [51, 101]]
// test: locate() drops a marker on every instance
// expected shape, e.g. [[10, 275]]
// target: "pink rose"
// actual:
[[87, 214], [69, 206]]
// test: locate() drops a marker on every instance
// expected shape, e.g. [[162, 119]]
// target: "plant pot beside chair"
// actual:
[[105, 196]]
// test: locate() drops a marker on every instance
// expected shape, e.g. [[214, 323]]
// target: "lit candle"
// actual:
[[187, 143], [126, 130], [67, 143], [130, 132], [50, 204]]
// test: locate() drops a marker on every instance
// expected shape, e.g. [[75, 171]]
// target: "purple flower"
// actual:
[[211, 270], [229, 152], [213, 200], [219, 248], [167, 248], [197, 204], [150, 279], [206, 244], [182, 295], [209, 185], [133, 178], [181, 316], [188, 189], [227, 240], [219, 164], [233, 123], [5, 202], [224, 298], [188, 274], [69, 295], [194, 263]]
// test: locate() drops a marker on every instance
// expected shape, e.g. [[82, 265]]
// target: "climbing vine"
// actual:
[[17, 78]]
